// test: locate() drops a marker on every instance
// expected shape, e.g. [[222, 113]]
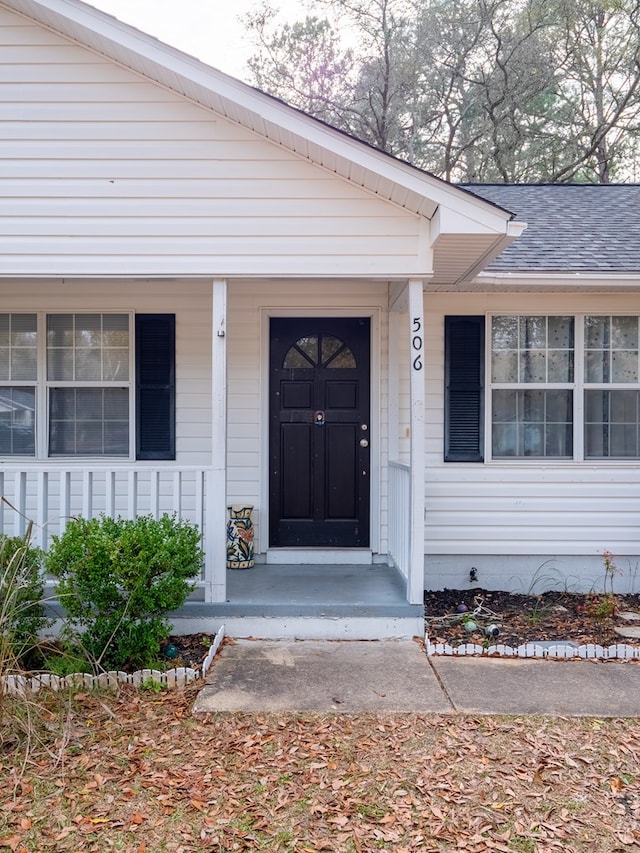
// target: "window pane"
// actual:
[[60, 365], [623, 440], [596, 366], [295, 359], [87, 330], [505, 406], [88, 348], [5, 334], [532, 350], [612, 424], [88, 365], [18, 347], [504, 366], [24, 364], [330, 346], [115, 330], [533, 406], [60, 330], [624, 333], [560, 366], [611, 350], [17, 421], [504, 440], [89, 422], [504, 333], [624, 366], [596, 332], [344, 360], [560, 333], [533, 367], [115, 364], [309, 346], [533, 422], [533, 332]]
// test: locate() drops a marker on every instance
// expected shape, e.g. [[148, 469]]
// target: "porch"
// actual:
[[325, 601], [330, 601]]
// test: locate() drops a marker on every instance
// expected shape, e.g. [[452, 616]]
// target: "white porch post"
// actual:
[[215, 540], [415, 579]]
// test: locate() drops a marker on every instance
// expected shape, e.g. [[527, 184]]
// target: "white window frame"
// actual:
[[578, 386], [43, 386]]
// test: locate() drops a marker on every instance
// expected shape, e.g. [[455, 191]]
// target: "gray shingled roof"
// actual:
[[571, 227]]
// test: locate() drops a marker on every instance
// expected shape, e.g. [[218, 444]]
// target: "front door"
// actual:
[[319, 432]]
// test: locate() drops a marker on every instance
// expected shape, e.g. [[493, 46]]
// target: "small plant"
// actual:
[[117, 580], [153, 686], [599, 606], [610, 570]]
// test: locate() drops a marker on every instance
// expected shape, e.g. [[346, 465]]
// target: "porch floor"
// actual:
[[310, 602]]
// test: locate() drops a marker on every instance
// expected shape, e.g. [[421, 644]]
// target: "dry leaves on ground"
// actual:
[[136, 773]]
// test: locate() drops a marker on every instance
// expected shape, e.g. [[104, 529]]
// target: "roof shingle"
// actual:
[[570, 227]]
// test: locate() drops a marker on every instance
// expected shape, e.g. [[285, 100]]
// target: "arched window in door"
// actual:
[[319, 351]]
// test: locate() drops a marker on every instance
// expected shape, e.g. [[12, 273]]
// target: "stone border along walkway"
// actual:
[[20, 685], [554, 649]]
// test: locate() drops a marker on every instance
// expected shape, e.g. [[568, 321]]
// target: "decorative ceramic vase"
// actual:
[[240, 537]]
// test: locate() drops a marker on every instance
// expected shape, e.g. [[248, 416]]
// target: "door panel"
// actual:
[[319, 432]]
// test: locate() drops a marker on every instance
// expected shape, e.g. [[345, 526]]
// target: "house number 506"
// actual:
[[417, 343]]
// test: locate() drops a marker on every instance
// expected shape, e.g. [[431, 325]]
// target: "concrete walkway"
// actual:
[[396, 676]]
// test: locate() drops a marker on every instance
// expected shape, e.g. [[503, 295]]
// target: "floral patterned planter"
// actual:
[[240, 554]]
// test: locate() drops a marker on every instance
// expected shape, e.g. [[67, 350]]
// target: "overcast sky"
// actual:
[[206, 29]]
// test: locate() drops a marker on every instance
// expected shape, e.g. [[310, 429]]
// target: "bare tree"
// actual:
[[476, 90]]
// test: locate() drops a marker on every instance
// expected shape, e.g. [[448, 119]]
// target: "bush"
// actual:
[[117, 580], [21, 591]]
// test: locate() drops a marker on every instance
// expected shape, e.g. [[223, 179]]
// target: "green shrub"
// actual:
[[117, 580], [21, 590]]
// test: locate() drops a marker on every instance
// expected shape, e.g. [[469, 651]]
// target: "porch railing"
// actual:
[[48, 496], [399, 515]]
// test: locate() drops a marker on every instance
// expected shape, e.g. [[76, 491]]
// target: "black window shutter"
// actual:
[[464, 389], [155, 386]]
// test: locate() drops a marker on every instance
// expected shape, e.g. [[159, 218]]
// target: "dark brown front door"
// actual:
[[319, 432]]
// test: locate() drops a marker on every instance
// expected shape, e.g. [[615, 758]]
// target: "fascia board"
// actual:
[[448, 221]]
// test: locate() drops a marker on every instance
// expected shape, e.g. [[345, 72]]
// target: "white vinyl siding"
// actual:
[[105, 173], [523, 507]]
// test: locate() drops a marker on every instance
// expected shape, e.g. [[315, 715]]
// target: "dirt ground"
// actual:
[[521, 618]]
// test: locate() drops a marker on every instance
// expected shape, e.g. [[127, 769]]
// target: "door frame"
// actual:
[[374, 314]]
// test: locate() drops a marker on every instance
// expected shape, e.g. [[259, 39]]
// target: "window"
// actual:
[[88, 384], [559, 387], [532, 374], [319, 350], [18, 374], [611, 376], [67, 385]]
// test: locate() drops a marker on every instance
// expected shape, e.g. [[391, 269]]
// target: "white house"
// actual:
[[209, 298]]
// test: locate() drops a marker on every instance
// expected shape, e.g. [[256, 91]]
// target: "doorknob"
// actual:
[[364, 442]]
